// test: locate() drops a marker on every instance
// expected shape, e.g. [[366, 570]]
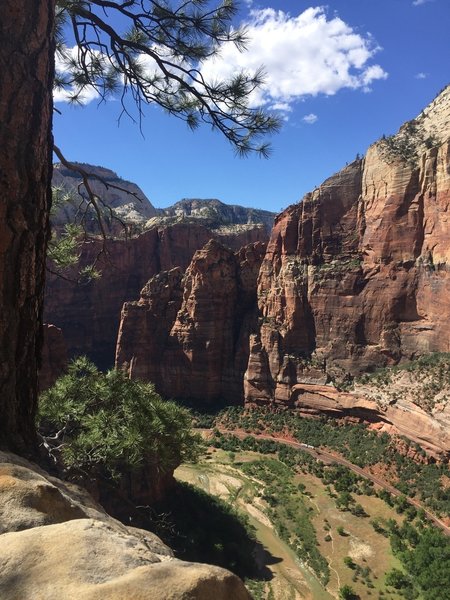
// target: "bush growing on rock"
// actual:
[[106, 422]]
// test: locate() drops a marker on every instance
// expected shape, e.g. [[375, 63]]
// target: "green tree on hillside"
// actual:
[[107, 424], [428, 563], [346, 592]]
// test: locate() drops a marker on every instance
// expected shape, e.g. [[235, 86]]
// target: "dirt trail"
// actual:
[[328, 457]]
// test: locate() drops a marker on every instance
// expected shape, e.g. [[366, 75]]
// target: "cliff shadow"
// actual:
[[202, 528]]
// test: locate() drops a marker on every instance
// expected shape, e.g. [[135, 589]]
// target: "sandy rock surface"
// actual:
[[57, 543]]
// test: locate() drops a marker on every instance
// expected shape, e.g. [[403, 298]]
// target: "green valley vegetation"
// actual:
[[419, 567], [356, 443], [346, 592], [424, 553], [265, 492], [288, 511], [107, 423]]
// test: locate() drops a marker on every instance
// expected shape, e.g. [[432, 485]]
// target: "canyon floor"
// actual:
[[283, 575]]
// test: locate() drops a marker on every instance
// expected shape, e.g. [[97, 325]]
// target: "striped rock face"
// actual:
[[357, 275]]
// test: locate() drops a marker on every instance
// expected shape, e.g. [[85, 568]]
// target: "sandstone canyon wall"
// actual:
[[189, 333], [357, 276], [89, 314]]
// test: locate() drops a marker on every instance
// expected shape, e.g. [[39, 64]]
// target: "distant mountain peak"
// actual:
[[132, 206], [213, 213], [125, 198]]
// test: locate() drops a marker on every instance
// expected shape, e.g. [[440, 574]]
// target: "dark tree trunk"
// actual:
[[26, 75]]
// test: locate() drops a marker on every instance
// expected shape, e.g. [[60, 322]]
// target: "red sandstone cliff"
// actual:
[[189, 334], [89, 314], [357, 275]]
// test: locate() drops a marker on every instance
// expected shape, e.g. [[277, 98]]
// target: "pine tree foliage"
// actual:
[[152, 51], [64, 247], [96, 421]]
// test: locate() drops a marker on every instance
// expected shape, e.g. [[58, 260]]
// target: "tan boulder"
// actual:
[[56, 542], [30, 497], [86, 559]]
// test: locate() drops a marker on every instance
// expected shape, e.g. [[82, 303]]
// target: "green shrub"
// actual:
[[359, 511], [108, 422], [397, 579], [426, 559], [348, 562], [346, 592]]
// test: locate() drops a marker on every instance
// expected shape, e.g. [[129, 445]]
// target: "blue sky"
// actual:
[[340, 75]]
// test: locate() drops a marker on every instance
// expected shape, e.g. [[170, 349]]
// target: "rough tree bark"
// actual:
[[26, 75]]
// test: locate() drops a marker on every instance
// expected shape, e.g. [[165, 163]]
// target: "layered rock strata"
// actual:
[[56, 542], [397, 417], [357, 275], [89, 314], [188, 334], [214, 214]]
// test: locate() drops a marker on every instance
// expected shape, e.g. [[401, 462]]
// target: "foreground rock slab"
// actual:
[[56, 542]]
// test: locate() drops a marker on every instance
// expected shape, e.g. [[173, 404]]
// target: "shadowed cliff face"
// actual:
[[89, 314], [54, 357], [189, 334]]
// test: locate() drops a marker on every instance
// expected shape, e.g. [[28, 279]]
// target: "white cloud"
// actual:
[[372, 73], [303, 55], [421, 75], [306, 55], [89, 93], [310, 119], [420, 2], [62, 67], [281, 106]]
